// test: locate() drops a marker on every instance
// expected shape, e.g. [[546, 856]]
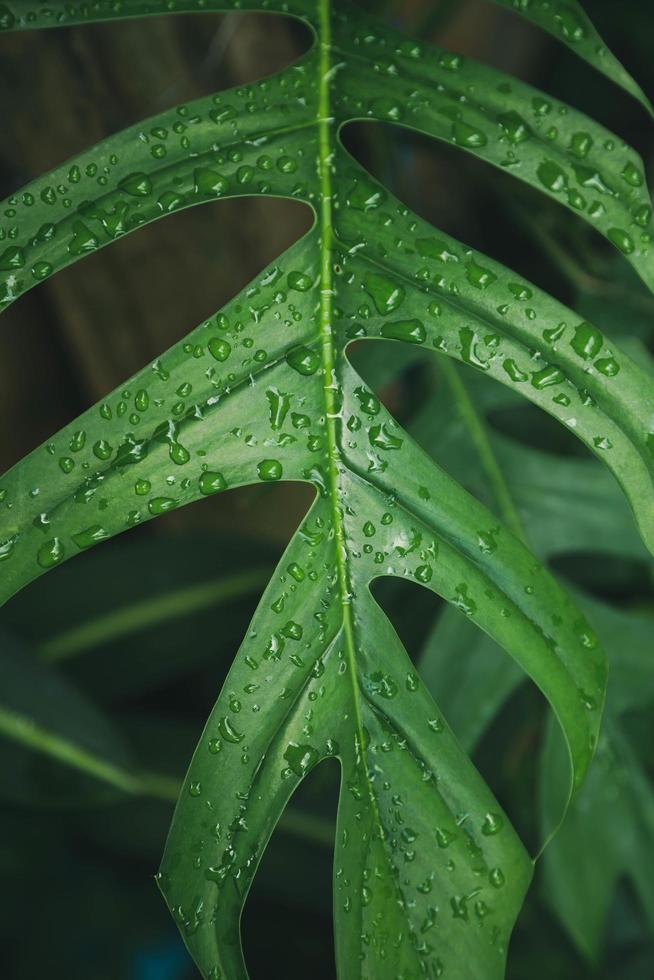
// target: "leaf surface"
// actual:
[[429, 874], [609, 831], [568, 22], [48, 717]]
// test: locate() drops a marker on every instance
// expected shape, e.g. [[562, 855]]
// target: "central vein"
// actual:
[[330, 381]]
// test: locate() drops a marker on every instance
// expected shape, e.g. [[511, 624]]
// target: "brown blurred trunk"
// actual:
[[82, 333], [63, 91]]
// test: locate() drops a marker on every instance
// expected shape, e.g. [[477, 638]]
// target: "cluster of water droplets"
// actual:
[[242, 400], [540, 140]]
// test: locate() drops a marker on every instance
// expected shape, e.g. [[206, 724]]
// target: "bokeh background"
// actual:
[[132, 640]]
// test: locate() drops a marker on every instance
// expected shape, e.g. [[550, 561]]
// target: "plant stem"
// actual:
[[309, 827], [479, 436], [150, 612], [146, 784], [49, 743]]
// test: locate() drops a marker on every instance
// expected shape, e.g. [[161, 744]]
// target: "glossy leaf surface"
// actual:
[[429, 874], [568, 21]]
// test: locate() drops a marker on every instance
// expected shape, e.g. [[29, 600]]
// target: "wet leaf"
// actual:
[[429, 874], [569, 22]]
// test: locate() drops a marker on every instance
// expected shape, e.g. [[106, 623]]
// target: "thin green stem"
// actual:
[[309, 827], [151, 612], [153, 785], [49, 743], [479, 436]]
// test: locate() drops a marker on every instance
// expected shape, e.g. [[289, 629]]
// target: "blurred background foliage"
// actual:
[[122, 652]]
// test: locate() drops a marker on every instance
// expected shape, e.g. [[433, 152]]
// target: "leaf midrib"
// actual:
[[326, 150]]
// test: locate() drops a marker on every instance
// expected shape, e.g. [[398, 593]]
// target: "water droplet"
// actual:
[[409, 331], [90, 536], [479, 277], [520, 291], [141, 400], [385, 108], [493, 823], [514, 126], [435, 248], [159, 505], [496, 877], [299, 281], [269, 470], [514, 371], [219, 348], [296, 572], [547, 377], [622, 240], [468, 136], [7, 19], [607, 366], [552, 176], [292, 631], [463, 601], [301, 758], [382, 684], [632, 175], [6, 547], [588, 701], [138, 185], [570, 23], [444, 837], [83, 240], [212, 483], [51, 553], [386, 294], [581, 144], [643, 215], [12, 258], [365, 196], [469, 353], [228, 732], [587, 341], [304, 360], [380, 437], [209, 183], [279, 403]]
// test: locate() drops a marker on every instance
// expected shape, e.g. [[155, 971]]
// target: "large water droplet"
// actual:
[[269, 470]]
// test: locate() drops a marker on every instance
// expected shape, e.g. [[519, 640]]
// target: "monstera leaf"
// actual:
[[473, 679], [429, 874], [568, 21]]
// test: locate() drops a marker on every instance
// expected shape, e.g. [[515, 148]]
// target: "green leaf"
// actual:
[[609, 830], [562, 504], [125, 620], [429, 874], [511, 125], [569, 22], [608, 835], [468, 672], [42, 715]]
